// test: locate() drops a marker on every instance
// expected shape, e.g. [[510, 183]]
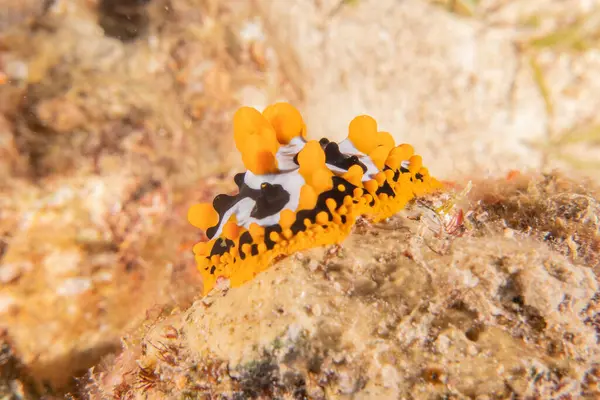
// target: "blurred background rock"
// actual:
[[115, 116]]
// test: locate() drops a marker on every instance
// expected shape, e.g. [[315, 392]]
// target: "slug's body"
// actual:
[[298, 194]]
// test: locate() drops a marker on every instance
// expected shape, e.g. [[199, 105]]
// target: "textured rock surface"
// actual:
[[113, 113], [434, 80], [15, 382], [398, 311], [474, 94], [72, 276]]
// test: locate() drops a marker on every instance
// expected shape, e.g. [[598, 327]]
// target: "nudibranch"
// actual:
[[299, 193]]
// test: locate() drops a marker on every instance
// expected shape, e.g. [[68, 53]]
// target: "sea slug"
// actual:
[[299, 193]]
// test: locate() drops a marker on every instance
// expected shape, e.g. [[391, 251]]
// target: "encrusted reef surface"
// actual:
[[15, 382], [491, 301], [115, 117]]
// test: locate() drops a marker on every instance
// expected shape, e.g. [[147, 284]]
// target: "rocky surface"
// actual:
[[509, 87], [103, 140], [15, 381], [115, 117], [403, 309]]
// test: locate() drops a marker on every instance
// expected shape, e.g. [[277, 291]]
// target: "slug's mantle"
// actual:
[[299, 193]]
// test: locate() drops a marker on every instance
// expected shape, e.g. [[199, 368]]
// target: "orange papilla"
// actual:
[[259, 159], [380, 178], [274, 236], [386, 140], [331, 204], [403, 152], [202, 248], [231, 230], [203, 216], [321, 180], [311, 158], [393, 161], [312, 167], [362, 132], [389, 174], [379, 155], [308, 198], [286, 120], [256, 140], [286, 218], [354, 175], [256, 231], [415, 164], [249, 125], [322, 218], [371, 186]]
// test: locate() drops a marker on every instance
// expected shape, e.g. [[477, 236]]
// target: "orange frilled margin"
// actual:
[[299, 193]]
